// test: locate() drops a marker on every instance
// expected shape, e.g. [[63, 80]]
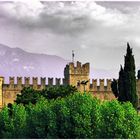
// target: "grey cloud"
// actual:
[[59, 21], [69, 19], [123, 6], [97, 33]]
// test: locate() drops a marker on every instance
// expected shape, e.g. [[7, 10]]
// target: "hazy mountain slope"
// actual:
[[17, 62]]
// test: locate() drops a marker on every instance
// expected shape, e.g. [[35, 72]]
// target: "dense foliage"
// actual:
[[125, 89], [75, 116], [29, 95]]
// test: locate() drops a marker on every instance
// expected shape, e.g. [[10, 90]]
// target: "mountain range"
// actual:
[[17, 62]]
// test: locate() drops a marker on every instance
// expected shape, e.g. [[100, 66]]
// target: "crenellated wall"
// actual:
[[73, 75], [101, 87], [9, 91], [101, 90]]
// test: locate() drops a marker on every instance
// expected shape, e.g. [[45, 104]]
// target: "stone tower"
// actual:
[[74, 75]]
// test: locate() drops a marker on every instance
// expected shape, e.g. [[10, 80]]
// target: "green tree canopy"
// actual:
[[29, 95], [75, 116]]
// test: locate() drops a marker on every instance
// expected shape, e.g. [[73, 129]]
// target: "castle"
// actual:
[[73, 75]]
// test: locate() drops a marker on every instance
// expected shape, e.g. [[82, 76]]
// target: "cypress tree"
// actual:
[[129, 77], [121, 89], [127, 80]]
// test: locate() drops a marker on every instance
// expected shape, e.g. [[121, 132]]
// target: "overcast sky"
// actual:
[[97, 31]]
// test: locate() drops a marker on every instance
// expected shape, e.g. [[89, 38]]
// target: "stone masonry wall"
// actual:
[[76, 74], [10, 91], [73, 75]]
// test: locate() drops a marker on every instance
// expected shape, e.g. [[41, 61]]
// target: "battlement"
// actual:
[[73, 75], [101, 86], [78, 69], [105, 85], [32, 82], [9, 91]]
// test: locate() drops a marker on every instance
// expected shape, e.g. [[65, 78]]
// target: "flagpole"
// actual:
[[73, 56]]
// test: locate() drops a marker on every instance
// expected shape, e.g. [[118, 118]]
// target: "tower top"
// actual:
[[75, 74]]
